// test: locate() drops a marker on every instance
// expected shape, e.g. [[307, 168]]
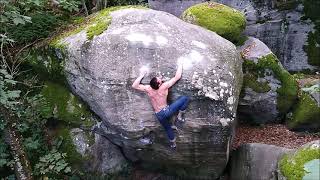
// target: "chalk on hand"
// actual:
[[144, 69]]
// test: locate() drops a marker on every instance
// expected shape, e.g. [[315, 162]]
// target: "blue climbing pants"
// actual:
[[164, 115]]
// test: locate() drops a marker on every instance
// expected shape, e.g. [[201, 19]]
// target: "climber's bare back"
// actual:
[[158, 97]]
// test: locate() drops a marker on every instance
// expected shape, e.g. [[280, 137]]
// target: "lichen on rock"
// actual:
[[225, 21]]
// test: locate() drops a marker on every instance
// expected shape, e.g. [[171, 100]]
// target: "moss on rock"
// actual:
[[94, 24], [305, 112], [225, 21], [292, 165], [249, 80], [65, 106], [288, 92]]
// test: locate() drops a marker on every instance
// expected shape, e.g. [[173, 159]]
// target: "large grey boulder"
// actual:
[[280, 25], [256, 161], [175, 7], [102, 70]]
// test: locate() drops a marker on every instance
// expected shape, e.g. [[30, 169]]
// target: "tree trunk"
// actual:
[[14, 140], [101, 4]]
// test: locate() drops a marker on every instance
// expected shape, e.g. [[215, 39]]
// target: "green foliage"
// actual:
[[52, 164], [311, 11], [41, 26], [292, 166], [5, 159], [70, 5], [225, 21], [288, 92], [8, 97]]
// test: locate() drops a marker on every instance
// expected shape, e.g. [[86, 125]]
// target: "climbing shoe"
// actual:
[[173, 145], [180, 116]]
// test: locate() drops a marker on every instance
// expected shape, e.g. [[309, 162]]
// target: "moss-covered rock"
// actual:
[[65, 106], [225, 21], [287, 93], [93, 25], [305, 114], [269, 91], [291, 165]]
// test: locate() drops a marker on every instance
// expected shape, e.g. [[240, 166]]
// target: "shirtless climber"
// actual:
[[158, 92]]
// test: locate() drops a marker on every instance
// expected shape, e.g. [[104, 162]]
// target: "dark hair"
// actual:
[[154, 83]]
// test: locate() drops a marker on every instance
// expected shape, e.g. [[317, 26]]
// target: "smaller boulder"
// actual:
[[254, 160], [268, 91], [225, 21], [296, 164]]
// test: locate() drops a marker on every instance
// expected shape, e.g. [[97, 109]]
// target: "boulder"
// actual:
[[175, 7], [254, 160], [289, 28], [305, 114], [299, 164], [225, 21], [101, 68], [268, 91], [107, 157], [101, 156]]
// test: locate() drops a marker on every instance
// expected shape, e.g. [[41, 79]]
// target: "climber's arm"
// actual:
[[173, 80], [136, 84]]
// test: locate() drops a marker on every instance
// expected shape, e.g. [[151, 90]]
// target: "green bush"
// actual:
[[41, 26]]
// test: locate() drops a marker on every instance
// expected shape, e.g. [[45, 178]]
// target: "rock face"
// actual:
[[268, 90], [298, 164], [254, 160], [103, 69], [105, 157], [175, 7], [283, 31]]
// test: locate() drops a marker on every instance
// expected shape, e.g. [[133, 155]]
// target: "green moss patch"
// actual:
[[94, 24], [249, 80], [225, 21], [288, 92], [305, 112], [292, 166], [65, 106], [68, 147]]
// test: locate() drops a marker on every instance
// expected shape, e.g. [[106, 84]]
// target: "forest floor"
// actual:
[[272, 134]]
